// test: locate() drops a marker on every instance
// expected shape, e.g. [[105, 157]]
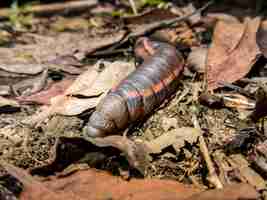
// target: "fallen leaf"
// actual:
[[26, 58], [100, 78], [68, 105], [28, 68], [252, 177], [8, 102], [31, 85], [230, 192], [232, 41], [136, 152], [93, 184], [236, 167], [99, 185], [176, 138], [66, 63], [44, 97], [92, 85], [95, 152]]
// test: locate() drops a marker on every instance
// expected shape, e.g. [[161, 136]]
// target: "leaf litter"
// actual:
[[183, 140]]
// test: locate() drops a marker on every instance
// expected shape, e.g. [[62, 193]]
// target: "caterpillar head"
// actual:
[[98, 125]]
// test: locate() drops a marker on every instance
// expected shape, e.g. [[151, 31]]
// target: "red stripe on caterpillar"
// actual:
[[141, 92]]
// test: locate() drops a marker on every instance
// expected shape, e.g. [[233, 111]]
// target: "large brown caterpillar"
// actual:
[[141, 92]]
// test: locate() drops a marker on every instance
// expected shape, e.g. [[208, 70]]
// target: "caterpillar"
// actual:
[[141, 92]]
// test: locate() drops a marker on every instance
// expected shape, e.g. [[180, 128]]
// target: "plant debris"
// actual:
[[60, 61]]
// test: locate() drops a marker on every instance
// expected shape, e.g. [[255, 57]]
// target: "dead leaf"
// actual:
[[100, 78], [66, 63], [99, 185], [253, 178], [96, 152], [236, 167], [93, 184], [175, 138], [29, 68], [8, 102], [232, 41], [136, 152], [44, 97], [230, 192], [33, 57], [31, 85], [92, 85]]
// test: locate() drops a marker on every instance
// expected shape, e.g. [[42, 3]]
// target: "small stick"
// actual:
[[52, 8], [132, 3], [159, 25], [212, 177]]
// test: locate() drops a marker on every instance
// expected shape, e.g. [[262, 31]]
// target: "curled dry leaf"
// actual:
[[29, 68], [93, 184], [31, 85], [26, 58], [45, 96], [230, 192], [236, 167], [240, 164], [8, 102], [176, 138], [136, 152], [231, 42], [95, 152], [92, 85]]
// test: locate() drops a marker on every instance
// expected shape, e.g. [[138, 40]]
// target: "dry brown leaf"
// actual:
[[136, 152], [8, 102], [236, 167], [92, 85], [45, 96], [97, 81], [29, 68], [97, 185], [232, 53], [34, 56], [175, 138], [230, 192], [241, 164]]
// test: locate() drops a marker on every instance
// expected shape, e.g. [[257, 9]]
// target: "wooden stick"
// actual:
[[52, 8], [212, 177], [132, 3]]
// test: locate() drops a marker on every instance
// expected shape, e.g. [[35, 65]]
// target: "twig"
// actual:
[[212, 177], [133, 6], [160, 24], [52, 8]]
